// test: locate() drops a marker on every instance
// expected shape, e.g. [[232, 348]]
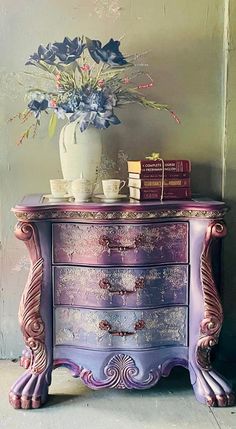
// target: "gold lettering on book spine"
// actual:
[[210, 326], [31, 323]]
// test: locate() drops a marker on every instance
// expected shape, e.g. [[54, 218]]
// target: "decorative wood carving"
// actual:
[[142, 303], [213, 315], [121, 373], [112, 215], [30, 320]]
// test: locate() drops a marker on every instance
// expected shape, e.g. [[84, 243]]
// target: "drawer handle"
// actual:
[[104, 325], [107, 243], [105, 284]]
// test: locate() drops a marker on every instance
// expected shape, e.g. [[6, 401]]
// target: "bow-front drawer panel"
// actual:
[[78, 243], [120, 287], [121, 329]]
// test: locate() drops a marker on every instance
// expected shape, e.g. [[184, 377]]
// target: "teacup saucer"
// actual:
[[110, 200], [52, 199]]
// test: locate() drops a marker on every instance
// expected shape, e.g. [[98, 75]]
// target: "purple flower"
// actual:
[[38, 106], [46, 54], [109, 54], [69, 50]]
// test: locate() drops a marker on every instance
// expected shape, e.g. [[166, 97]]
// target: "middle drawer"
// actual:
[[120, 287]]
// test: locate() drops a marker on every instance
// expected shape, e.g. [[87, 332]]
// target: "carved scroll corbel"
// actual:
[[210, 326], [31, 323]]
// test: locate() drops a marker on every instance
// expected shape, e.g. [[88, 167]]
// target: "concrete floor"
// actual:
[[171, 404]]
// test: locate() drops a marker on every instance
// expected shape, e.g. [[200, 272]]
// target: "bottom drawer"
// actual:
[[121, 329]]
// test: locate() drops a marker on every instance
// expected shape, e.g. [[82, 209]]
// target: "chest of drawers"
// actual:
[[120, 294]]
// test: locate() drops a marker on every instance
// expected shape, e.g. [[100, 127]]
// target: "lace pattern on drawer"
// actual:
[[96, 328], [109, 287], [118, 243]]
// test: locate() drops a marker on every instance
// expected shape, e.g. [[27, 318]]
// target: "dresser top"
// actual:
[[37, 207]]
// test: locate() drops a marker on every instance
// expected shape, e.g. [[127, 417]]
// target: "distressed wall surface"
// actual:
[[228, 343], [184, 40]]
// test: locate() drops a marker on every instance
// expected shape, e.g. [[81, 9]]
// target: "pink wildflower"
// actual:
[[53, 103], [85, 67], [145, 85], [58, 80], [175, 116], [101, 83]]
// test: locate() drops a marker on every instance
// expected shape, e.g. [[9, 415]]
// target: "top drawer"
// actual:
[[120, 244]]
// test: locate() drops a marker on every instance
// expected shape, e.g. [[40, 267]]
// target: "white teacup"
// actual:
[[81, 189], [59, 187], [112, 187]]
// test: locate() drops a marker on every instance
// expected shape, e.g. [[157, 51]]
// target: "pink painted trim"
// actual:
[[31, 323], [213, 314]]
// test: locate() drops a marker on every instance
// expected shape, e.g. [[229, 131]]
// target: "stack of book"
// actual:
[[146, 179]]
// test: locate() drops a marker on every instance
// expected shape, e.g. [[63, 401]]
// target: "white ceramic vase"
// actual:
[[80, 153]]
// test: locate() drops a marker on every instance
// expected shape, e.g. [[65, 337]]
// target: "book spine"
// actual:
[[178, 168], [155, 194], [158, 175], [168, 183], [169, 165]]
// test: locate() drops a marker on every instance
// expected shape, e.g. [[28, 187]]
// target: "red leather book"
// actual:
[[157, 183], [149, 166], [155, 193], [158, 175]]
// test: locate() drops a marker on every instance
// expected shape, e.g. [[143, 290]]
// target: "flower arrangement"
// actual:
[[87, 82]]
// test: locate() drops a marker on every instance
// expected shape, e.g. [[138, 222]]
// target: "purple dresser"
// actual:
[[120, 294]]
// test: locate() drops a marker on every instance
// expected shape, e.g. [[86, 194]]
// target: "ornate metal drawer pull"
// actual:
[[105, 284], [105, 326], [107, 243]]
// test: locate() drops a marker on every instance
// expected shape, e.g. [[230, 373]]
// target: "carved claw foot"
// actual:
[[25, 359], [30, 390], [211, 388]]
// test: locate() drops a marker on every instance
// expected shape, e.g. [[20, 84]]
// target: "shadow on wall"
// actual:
[[228, 335], [205, 180]]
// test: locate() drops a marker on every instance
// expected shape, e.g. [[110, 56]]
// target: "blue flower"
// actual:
[[69, 50], [46, 54], [95, 107], [72, 103], [109, 54], [38, 106]]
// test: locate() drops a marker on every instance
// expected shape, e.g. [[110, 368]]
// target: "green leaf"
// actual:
[[53, 69], [52, 125]]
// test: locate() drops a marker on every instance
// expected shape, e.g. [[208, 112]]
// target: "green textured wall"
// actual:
[[228, 338], [185, 40]]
